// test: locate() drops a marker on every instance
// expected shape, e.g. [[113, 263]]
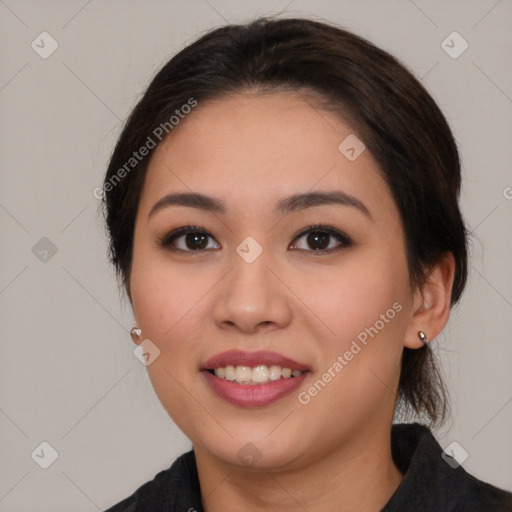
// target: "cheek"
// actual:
[[167, 303], [356, 297], [365, 320], [361, 310], [170, 311]]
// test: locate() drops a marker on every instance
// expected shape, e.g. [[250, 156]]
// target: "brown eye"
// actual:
[[320, 239], [194, 241], [189, 239]]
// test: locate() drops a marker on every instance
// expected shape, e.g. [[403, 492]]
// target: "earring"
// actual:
[[135, 334], [423, 337]]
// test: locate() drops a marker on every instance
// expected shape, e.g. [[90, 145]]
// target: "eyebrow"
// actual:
[[311, 199], [286, 205], [191, 200]]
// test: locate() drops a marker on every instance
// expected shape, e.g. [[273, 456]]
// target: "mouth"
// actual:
[[253, 379]]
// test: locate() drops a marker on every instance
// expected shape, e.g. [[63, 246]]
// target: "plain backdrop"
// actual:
[[68, 374]]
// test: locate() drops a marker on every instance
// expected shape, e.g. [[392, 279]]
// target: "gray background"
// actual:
[[68, 373]]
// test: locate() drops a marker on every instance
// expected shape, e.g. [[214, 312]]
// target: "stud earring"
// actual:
[[423, 337], [135, 334]]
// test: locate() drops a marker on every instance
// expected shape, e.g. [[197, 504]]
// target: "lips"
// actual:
[[245, 392]]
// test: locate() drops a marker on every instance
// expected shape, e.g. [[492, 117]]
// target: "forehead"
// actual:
[[254, 148]]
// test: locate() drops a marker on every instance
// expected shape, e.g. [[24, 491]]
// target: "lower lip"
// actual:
[[253, 395]]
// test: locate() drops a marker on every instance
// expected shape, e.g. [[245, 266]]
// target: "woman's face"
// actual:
[[294, 249]]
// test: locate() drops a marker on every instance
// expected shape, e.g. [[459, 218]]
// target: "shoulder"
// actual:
[[434, 481], [176, 488], [481, 496]]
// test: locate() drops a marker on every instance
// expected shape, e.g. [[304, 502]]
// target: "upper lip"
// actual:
[[252, 359]]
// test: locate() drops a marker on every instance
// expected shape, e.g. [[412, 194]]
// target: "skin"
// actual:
[[250, 151]]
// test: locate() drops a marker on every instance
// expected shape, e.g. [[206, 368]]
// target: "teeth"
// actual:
[[286, 373], [275, 372], [243, 373], [229, 372], [260, 374]]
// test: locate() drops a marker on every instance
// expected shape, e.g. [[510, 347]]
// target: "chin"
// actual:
[[257, 457], [252, 447]]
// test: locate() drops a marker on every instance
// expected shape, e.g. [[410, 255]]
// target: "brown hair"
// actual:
[[394, 115]]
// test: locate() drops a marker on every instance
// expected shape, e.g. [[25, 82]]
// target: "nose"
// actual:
[[251, 299]]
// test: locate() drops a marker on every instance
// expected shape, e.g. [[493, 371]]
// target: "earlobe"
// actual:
[[431, 309]]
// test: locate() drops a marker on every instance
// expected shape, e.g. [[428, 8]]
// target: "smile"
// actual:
[[253, 379]]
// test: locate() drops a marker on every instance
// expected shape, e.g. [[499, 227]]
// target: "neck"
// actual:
[[361, 477]]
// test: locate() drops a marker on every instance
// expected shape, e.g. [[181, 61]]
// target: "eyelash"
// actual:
[[167, 240], [341, 237]]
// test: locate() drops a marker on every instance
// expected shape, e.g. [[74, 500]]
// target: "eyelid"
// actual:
[[345, 240], [167, 239]]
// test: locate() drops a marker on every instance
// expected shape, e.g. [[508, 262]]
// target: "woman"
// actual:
[[283, 213]]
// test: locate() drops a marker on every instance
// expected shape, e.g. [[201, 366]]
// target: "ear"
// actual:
[[431, 303]]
